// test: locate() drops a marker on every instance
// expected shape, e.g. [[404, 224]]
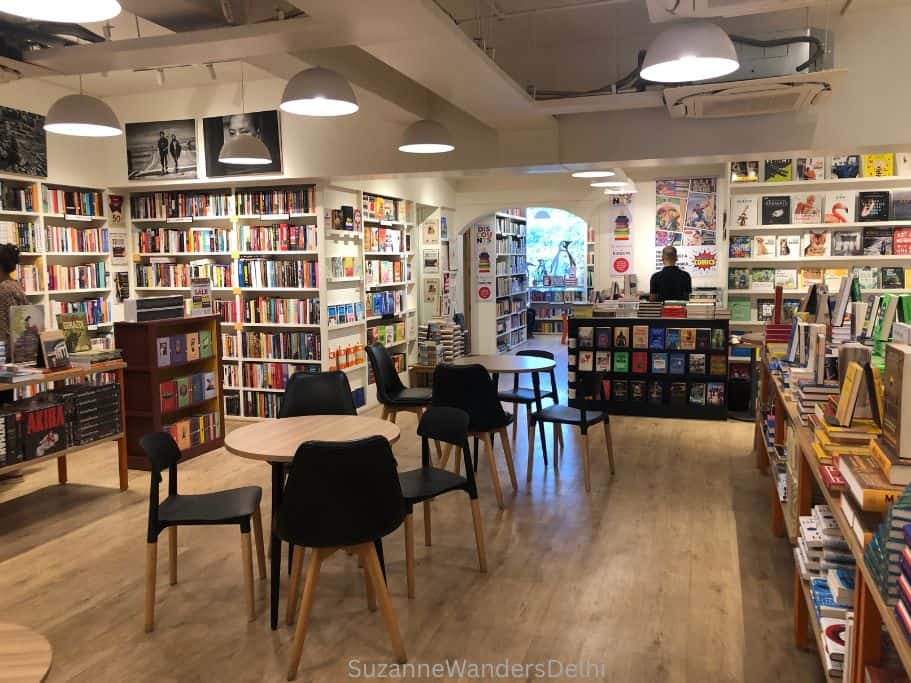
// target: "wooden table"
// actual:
[[25, 656], [497, 364], [58, 379], [276, 442]]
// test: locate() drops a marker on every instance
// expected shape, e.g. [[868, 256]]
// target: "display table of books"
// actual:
[[842, 571], [69, 418]]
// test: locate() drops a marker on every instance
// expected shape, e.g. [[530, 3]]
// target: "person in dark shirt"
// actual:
[[670, 282]]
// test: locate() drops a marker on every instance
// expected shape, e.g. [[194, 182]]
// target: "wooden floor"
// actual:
[[666, 572]]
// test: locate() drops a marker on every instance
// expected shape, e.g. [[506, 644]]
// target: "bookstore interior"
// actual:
[[658, 331]]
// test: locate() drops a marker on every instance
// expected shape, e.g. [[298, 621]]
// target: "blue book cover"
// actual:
[[659, 363], [178, 349], [677, 364], [672, 339], [330, 311], [656, 338]]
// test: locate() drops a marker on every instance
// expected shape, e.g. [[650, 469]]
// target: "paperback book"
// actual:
[[807, 208], [892, 277], [839, 207], [788, 245], [811, 168], [878, 165], [656, 338], [816, 243], [603, 361], [620, 390], [901, 205], [603, 337], [901, 241], [75, 331], [656, 392], [697, 393], [659, 363], [765, 309], [677, 393], [676, 364], [640, 336], [779, 170], [621, 361], [845, 166], [873, 205], [637, 390], [745, 211], [715, 394], [763, 279], [741, 246], [878, 241], [744, 171], [763, 246], [738, 278], [740, 310], [776, 210], [697, 363], [786, 278], [672, 338], [639, 362], [847, 243]]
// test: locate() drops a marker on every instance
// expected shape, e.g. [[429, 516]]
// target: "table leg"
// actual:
[[278, 482], [122, 441], [536, 383]]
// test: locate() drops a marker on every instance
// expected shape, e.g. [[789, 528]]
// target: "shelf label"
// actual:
[[75, 217], [180, 219], [137, 257], [238, 326], [235, 290], [275, 217], [235, 255]]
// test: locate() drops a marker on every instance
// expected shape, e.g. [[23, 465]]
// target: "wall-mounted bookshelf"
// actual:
[[511, 286]]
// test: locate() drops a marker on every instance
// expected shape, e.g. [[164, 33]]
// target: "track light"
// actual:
[[694, 51], [159, 77], [66, 11], [426, 137], [212, 73], [318, 92]]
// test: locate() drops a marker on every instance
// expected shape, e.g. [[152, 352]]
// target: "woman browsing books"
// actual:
[[11, 294]]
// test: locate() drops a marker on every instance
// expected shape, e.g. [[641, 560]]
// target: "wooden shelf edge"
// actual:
[[59, 454]]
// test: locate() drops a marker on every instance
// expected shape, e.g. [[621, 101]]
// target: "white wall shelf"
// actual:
[[824, 184]]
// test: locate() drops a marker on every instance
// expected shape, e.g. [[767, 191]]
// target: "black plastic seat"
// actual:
[[317, 393], [341, 496], [525, 396], [448, 426], [394, 396], [236, 506], [471, 389], [570, 416]]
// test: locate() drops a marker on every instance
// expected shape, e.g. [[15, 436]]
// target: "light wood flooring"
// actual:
[[665, 572]]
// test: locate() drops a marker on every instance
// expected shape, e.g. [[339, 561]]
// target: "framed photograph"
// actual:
[[161, 149], [444, 228], [431, 261], [431, 232], [23, 142], [431, 295], [263, 125]]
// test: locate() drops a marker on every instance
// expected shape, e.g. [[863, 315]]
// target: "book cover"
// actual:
[[621, 337], [678, 393], [586, 361], [719, 342], [603, 361], [744, 171], [603, 337], [844, 166], [183, 435], [878, 165], [620, 390], [810, 276], [659, 363], [839, 207], [901, 205], [672, 338], [873, 205], [892, 277], [703, 339], [776, 210], [847, 243], [697, 393], [192, 346], [205, 344], [786, 277], [53, 349], [763, 246], [605, 389], [741, 246], [656, 338], [806, 207], [183, 391], [585, 337], [765, 309], [715, 394], [637, 390], [779, 170], [901, 241], [740, 309], [816, 243], [789, 308], [788, 245], [639, 362], [178, 349], [738, 278], [745, 211], [168, 396], [209, 385], [640, 336], [832, 278], [878, 241], [688, 338], [75, 331], [621, 361], [762, 279], [676, 364], [197, 387], [163, 345], [655, 392], [26, 323], [718, 365], [697, 363], [811, 168], [867, 276]]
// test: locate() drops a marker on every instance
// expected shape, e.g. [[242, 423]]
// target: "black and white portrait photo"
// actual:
[[262, 125], [23, 142], [161, 149]]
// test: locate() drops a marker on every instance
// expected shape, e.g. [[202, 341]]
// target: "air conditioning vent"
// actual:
[[755, 97]]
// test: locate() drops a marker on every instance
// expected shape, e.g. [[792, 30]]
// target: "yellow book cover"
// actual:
[[849, 391], [834, 448], [877, 165], [823, 457]]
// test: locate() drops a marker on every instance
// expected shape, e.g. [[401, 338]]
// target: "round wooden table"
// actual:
[[25, 656], [276, 442]]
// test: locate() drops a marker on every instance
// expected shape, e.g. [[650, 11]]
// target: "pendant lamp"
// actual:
[[593, 174], [65, 11], [243, 148], [426, 137], [694, 51], [83, 116], [318, 92]]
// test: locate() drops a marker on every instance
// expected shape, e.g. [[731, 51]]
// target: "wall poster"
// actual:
[[686, 217], [620, 220]]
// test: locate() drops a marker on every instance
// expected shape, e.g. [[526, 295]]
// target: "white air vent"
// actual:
[[672, 10], [751, 98]]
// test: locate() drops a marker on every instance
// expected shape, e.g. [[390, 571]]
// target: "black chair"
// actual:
[[450, 426], [236, 506], [470, 388], [525, 396], [394, 396], [341, 496], [559, 415], [317, 393]]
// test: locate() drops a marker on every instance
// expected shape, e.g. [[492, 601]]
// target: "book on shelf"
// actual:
[[778, 170], [833, 277], [877, 241], [640, 336], [787, 246], [892, 277], [811, 168], [896, 418], [763, 246], [744, 171], [847, 243], [696, 394], [878, 165], [867, 484], [740, 310], [776, 210], [873, 205], [901, 241], [844, 166], [786, 278], [806, 207], [639, 362], [901, 205], [53, 350], [816, 243], [741, 246], [738, 278], [839, 207], [763, 279], [75, 330]]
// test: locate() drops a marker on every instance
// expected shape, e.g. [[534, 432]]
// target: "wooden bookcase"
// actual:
[[143, 378]]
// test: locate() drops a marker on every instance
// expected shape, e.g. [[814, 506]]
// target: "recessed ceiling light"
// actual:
[[608, 183], [66, 11], [82, 116], [318, 92], [593, 174], [426, 137], [694, 51]]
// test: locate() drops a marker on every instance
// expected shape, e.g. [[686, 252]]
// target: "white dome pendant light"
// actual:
[[83, 116], [426, 137], [243, 148], [694, 51], [318, 92], [65, 11]]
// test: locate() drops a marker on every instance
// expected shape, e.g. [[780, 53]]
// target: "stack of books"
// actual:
[[616, 308], [722, 312], [429, 353], [86, 359], [673, 310], [884, 552], [649, 309], [703, 311], [442, 340]]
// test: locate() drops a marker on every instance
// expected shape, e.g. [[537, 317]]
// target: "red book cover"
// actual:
[[640, 362], [901, 241], [605, 389], [168, 396], [832, 478]]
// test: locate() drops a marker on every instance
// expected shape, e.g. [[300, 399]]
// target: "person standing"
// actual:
[[163, 151], [11, 294], [670, 282], [175, 152]]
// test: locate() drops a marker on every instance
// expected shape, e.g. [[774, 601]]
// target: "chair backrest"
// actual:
[[449, 425], [469, 388], [317, 393], [341, 494], [541, 353], [163, 454], [388, 382]]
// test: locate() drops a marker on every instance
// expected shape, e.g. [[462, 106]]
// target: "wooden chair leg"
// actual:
[[507, 451], [246, 549], [479, 534], [409, 554], [258, 540], [494, 476], [427, 536], [444, 461], [392, 415], [556, 453], [372, 563], [172, 555], [386, 413], [562, 445], [610, 445], [368, 585], [303, 616], [297, 564], [151, 575], [515, 421], [439, 451], [531, 452], [457, 456], [586, 463]]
